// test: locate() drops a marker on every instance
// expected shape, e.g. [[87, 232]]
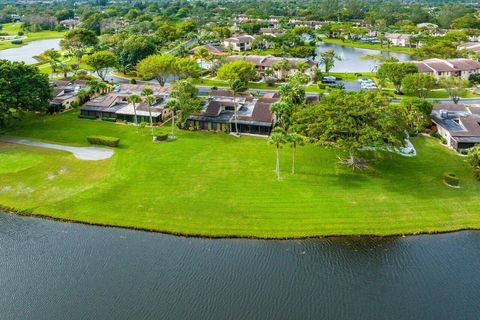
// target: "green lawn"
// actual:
[[371, 46], [14, 28], [214, 184]]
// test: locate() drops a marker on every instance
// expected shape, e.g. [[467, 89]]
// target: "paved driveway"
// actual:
[[82, 153]]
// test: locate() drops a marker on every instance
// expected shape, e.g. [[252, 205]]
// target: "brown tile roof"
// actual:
[[240, 39], [268, 61]]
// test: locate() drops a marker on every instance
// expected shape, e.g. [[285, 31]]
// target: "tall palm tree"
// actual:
[[173, 104], [95, 86], [277, 138], [53, 58], [282, 66], [150, 99], [237, 86], [65, 69], [295, 140], [134, 99]]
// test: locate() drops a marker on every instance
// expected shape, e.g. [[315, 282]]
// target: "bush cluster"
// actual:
[[451, 179], [109, 119], [17, 41], [162, 137], [87, 117], [104, 140]]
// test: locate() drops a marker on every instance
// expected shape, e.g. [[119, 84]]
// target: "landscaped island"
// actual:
[[213, 184]]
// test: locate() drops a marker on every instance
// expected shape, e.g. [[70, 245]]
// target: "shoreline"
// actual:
[[12, 211]]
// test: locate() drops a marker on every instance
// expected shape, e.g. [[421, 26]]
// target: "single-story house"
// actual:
[[70, 23], [270, 32], [114, 105], [449, 67], [218, 113], [459, 124], [471, 46], [399, 39], [239, 43], [65, 92], [262, 63]]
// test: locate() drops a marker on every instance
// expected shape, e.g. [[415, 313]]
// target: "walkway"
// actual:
[[82, 153]]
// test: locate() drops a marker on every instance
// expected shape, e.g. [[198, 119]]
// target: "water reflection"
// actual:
[[29, 51]]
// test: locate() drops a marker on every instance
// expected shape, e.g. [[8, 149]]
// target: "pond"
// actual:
[[351, 57], [55, 270], [27, 52]]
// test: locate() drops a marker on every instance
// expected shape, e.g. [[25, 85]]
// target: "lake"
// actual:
[[351, 57], [55, 270], [28, 51]]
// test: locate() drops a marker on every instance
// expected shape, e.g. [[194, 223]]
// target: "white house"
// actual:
[[239, 43], [399, 39], [448, 68]]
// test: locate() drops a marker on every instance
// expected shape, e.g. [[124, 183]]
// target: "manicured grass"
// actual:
[[371, 46], [14, 28], [214, 184]]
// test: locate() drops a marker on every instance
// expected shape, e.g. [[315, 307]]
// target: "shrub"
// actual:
[[133, 81], [17, 41], [109, 119], [444, 141], [451, 179], [104, 140], [162, 137], [435, 134], [20, 33], [87, 117], [463, 151], [474, 160]]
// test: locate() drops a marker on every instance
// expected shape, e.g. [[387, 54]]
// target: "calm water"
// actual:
[[53, 270], [351, 61], [31, 49]]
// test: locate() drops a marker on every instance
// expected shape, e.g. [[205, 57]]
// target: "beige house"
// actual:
[[399, 39], [263, 63], [239, 43], [449, 68], [459, 124]]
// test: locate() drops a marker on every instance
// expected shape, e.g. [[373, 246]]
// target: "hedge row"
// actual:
[[104, 140], [87, 117], [451, 179], [109, 119]]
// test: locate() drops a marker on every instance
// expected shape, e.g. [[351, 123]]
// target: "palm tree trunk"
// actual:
[[277, 166], [293, 160], [135, 114], [173, 124], [151, 121], [235, 115]]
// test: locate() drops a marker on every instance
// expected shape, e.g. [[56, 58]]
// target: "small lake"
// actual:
[[351, 57], [55, 270], [28, 51]]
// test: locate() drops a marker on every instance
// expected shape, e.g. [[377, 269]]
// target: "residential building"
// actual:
[[239, 43], [459, 124], [471, 46], [114, 105], [70, 23], [218, 113], [448, 68], [270, 32], [214, 51], [263, 63], [310, 24], [399, 39], [65, 93]]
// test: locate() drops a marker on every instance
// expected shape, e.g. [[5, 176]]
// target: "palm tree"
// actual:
[[95, 86], [134, 99], [282, 66], [65, 69], [237, 86], [295, 140], [150, 99], [53, 58], [173, 104], [277, 138]]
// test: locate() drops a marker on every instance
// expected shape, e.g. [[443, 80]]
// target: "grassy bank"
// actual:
[[214, 184], [371, 46], [14, 28]]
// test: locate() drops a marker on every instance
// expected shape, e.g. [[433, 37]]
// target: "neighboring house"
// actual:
[[15, 17], [263, 63], [449, 68], [114, 105], [399, 39], [270, 32], [310, 24], [216, 52], [65, 93], [218, 110], [427, 26], [70, 23], [458, 124], [239, 43], [471, 46], [272, 22]]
